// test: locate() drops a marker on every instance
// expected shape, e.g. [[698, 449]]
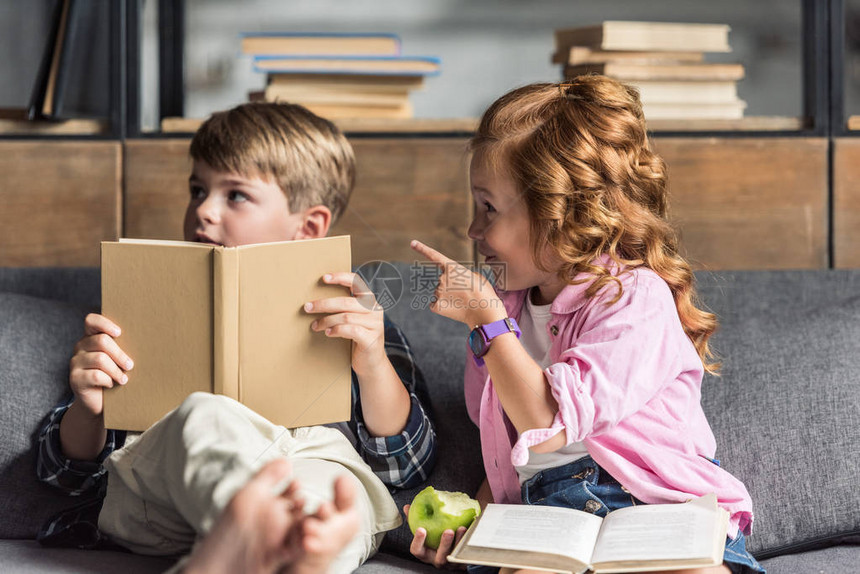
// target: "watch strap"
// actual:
[[492, 330], [500, 327]]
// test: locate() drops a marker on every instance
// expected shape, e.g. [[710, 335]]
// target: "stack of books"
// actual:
[[665, 61], [339, 75]]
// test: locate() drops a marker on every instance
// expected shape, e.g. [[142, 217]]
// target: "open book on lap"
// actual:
[[634, 539]]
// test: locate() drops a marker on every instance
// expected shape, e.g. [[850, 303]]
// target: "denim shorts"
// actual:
[[583, 485]]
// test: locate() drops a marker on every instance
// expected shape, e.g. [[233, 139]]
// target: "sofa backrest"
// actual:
[[36, 339], [786, 410]]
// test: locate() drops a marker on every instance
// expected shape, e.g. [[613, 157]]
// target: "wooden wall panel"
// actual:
[[406, 188], [749, 203], [58, 201], [846, 203], [156, 188], [740, 203]]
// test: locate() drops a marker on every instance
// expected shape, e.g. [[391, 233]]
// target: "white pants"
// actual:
[[167, 487]]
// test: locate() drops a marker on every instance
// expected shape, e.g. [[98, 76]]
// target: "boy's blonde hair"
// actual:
[[579, 155], [307, 156]]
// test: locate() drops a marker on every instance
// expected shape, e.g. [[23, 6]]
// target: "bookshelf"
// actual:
[[106, 27], [762, 192]]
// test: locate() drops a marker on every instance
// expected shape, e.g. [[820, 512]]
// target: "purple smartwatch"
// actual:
[[480, 337]]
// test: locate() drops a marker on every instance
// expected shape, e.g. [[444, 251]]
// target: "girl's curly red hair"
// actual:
[[579, 154]]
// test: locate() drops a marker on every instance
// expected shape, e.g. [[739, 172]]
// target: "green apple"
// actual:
[[438, 510]]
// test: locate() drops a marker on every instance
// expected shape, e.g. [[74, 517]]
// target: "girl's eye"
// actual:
[[489, 207], [237, 197], [197, 192]]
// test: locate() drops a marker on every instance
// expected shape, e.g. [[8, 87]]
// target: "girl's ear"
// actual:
[[315, 223]]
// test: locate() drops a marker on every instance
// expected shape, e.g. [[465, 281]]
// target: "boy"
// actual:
[[261, 172]]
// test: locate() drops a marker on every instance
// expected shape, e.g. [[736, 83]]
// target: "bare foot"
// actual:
[[328, 531], [259, 531]]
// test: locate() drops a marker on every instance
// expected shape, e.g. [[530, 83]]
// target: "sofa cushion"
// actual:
[[30, 557], [838, 560], [786, 410], [36, 340], [439, 345]]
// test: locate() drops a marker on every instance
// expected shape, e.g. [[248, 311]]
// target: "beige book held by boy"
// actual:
[[643, 538], [226, 320]]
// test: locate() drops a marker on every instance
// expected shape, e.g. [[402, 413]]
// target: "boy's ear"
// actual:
[[315, 223]]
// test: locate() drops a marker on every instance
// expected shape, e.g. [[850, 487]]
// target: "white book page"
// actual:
[[658, 532], [559, 531]]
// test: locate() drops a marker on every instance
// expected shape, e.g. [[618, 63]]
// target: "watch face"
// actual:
[[476, 343]]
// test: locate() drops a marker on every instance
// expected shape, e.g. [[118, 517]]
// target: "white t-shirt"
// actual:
[[536, 340]]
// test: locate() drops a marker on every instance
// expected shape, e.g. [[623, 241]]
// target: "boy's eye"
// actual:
[[489, 207], [197, 192], [237, 196]]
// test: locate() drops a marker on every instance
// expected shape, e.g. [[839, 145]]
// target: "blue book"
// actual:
[[355, 65]]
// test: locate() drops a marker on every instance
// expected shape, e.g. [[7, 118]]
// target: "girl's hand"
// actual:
[[358, 318], [98, 363], [439, 556], [462, 294]]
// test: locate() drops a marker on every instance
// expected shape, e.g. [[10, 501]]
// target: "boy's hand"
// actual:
[[97, 364], [439, 556], [462, 294], [357, 317]]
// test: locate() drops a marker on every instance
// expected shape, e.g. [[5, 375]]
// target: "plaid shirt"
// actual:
[[400, 461]]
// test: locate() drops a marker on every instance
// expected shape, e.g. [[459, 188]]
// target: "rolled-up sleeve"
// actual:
[[74, 477], [623, 354], [406, 459]]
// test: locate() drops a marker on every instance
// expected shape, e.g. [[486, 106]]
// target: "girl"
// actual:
[[588, 362]]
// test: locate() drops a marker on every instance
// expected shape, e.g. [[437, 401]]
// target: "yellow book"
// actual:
[[585, 55], [646, 36], [635, 539], [226, 320], [321, 44], [625, 71]]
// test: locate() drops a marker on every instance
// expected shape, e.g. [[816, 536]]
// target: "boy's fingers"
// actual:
[[95, 323], [96, 378], [103, 343], [363, 337], [98, 362], [366, 320], [351, 280], [335, 305], [430, 253]]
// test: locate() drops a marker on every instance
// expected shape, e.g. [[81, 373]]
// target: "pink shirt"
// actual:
[[627, 380]]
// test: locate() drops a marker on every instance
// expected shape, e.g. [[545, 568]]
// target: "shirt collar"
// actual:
[[571, 298]]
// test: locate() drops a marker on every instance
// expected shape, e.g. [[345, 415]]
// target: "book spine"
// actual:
[[225, 346]]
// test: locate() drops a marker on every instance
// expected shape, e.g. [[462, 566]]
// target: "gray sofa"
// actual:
[[786, 411]]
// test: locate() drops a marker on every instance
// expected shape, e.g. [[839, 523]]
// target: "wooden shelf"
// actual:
[[748, 124], [85, 127], [356, 125], [469, 125]]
